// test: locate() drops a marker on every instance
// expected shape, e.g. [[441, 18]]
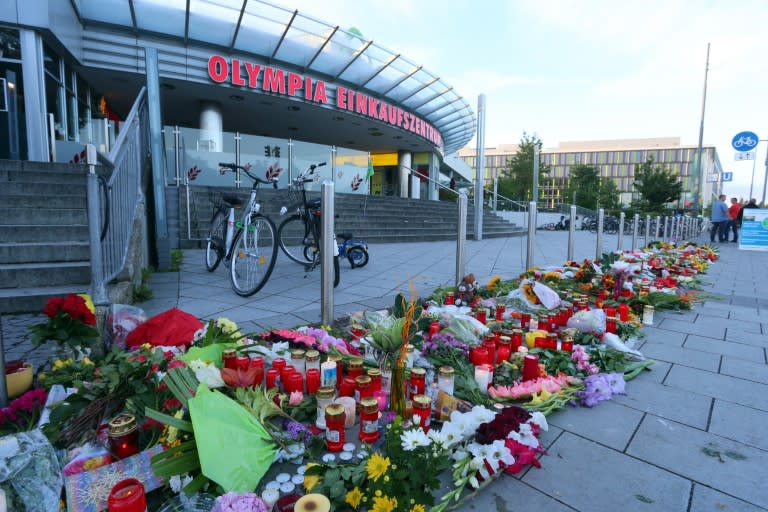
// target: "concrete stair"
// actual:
[[373, 218], [44, 248]]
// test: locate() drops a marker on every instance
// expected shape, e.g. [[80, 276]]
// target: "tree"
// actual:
[[608, 194], [584, 185], [657, 186], [516, 179]]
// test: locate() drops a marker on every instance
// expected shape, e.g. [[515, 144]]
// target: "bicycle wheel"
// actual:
[[214, 248], [254, 251], [336, 271], [294, 238], [357, 256]]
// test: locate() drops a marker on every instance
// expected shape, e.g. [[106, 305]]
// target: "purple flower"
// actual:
[[294, 429], [596, 389], [234, 502], [617, 383]]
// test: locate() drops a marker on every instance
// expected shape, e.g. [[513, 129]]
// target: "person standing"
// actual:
[[733, 223], [719, 220]]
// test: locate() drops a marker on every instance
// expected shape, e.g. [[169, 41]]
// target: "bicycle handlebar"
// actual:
[[233, 167], [304, 177]]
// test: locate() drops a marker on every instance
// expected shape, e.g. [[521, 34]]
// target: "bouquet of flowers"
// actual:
[[22, 414], [71, 323]]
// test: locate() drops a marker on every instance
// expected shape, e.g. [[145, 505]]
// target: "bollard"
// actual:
[[572, 232], [667, 229], [647, 230], [620, 241], [672, 230], [461, 237], [635, 228], [599, 243], [98, 289], [326, 253], [657, 229], [531, 234]]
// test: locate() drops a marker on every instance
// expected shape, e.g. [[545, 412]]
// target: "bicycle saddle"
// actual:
[[313, 204], [344, 236], [232, 200]]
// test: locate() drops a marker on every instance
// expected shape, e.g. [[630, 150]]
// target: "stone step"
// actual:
[[27, 300], [47, 233], [42, 216], [45, 189], [39, 176], [40, 201], [24, 275], [44, 252]]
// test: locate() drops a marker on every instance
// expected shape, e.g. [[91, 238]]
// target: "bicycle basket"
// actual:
[[216, 197], [290, 197]]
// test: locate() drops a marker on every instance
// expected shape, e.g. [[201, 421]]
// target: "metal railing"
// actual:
[[126, 162]]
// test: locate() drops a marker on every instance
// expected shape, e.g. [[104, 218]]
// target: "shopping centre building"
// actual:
[[233, 80], [614, 159]]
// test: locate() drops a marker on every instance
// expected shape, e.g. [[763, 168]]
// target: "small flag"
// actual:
[[370, 168]]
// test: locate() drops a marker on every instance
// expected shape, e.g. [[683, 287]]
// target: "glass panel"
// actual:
[[10, 47], [303, 40], [170, 155], [368, 63], [82, 90], [72, 121], [213, 21], [267, 156], [84, 123], [261, 28], [13, 136], [338, 52], [166, 17], [68, 78], [351, 171], [200, 165], [51, 62], [53, 106], [109, 11], [306, 154]]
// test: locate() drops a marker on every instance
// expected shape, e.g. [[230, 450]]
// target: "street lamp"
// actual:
[[754, 161]]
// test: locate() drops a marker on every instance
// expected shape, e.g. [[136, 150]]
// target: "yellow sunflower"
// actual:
[[417, 508], [353, 497], [529, 294], [310, 481], [377, 466], [384, 504], [492, 282]]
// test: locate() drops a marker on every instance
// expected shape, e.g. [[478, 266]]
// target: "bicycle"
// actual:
[[247, 246], [356, 251], [748, 141], [299, 234]]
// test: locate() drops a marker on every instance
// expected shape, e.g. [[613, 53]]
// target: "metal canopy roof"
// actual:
[[264, 29]]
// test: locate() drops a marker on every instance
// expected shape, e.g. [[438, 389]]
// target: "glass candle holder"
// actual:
[[297, 360], [325, 396], [623, 312], [610, 324], [257, 362], [313, 380], [478, 355], [347, 387], [312, 359], [434, 329], [504, 350], [362, 388], [229, 358], [334, 427], [418, 382], [567, 344], [123, 436], [648, 315], [500, 310], [482, 316], [355, 367], [450, 299], [328, 374], [445, 379], [530, 367], [422, 407], [525, 321], [483, 376], [409, 355], [369, 420], [517, 339], [375, 375], [242, 362], [127, 496]]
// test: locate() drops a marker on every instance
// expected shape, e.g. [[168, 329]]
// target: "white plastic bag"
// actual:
[[121, 321]]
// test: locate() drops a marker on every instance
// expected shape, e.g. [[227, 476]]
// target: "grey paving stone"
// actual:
[[657, 335], [726, 306], [692, 328], [728, 348], [657, 373], [706, 499], [739, 423], [607, 423], [719, 386], [725, 465], [512, 495], [684, 356], [668, 402], [749, 370], [164, 277], [750, 315], [748, 336], [609, 481], [683, 316], [713, 312]]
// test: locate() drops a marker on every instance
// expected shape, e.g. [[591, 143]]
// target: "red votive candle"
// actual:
[[530, 367], [334, 427], [278, 364], [243, 362], [257, 362], [295, 382], [450, 299], [434, 329], [610, 324], [489, 344], [127, 496], [623, 312], [517, 339], [123, 436], [482, 315], [609, 311], [347, 387], [504, 350], [478, 355], [229, 358], [313, 380], [525, 321], [567, 344], [273, 378], [500, 309]]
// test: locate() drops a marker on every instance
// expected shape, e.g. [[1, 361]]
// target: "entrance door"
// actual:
[[12, 127]]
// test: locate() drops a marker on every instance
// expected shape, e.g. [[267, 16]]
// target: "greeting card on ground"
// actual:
[[88, 492]]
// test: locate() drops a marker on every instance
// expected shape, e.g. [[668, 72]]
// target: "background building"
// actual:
[[615, 159]]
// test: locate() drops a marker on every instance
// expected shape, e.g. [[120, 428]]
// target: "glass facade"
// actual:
[[13, 140]]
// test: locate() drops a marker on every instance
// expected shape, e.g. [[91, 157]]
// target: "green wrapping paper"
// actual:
[[235, 450]]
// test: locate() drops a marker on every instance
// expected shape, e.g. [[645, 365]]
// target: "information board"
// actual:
[[754, 230]]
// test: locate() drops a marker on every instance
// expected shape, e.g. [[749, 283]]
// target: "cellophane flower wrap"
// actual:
[[71, 323]]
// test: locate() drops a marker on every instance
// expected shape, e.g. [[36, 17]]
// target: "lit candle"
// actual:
[[328, 374], [623, 312], [127, 496], [270, 497], [381, 398], [648, 315], [483, 375]]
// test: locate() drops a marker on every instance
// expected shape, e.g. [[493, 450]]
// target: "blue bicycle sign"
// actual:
[[744, 141]]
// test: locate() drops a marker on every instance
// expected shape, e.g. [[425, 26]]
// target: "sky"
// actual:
[[588, 69]]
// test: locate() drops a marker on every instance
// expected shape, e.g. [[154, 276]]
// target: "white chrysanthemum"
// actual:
[[540, 420], [462, 424], [450, 434], [412, 439], [525, 436]]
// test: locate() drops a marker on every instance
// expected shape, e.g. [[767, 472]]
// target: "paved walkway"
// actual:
[[688, 436]]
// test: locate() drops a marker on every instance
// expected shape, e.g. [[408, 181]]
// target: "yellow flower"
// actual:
[[88, 302], [417, 508], [87, 361], [146, 346], [530, 294], [384, 504], [310, 481], [377, 466], [41, 376], [492, 282], [540, 398], [551, 276], [353, 497]]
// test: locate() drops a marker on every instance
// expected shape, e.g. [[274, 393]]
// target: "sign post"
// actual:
[[754, 230], [745, 143]]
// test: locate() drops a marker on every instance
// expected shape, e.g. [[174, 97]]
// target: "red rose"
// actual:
[[176, 363], [53, 306]]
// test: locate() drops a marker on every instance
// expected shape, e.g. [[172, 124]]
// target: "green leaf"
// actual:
[[185, 463], [183, 425], [196, 485]]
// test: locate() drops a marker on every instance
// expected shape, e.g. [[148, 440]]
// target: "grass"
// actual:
[[142, 292]]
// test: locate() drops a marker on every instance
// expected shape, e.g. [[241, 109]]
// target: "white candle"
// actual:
[[328, 374], [270, 497], [648, 315], [3, 504], [482, 378]]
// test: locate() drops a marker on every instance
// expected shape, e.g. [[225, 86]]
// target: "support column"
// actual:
[[211, 126], [405, 164], [434, 174], [33, 77], [480, 167]]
